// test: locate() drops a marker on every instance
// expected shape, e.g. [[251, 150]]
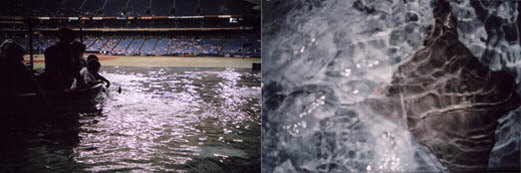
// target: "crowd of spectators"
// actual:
[[155, 45], [135, 47], [111, 43]]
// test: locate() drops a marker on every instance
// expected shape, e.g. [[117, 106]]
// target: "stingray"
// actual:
[[446, 98]]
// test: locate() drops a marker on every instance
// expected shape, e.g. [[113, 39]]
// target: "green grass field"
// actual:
[[164, 61]]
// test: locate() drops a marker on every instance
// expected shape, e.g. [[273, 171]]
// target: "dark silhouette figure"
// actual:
[[93, 66], [62, 62], [78, 50], [17, 79]]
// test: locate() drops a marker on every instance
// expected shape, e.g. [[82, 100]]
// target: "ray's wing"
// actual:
[[447, 98]]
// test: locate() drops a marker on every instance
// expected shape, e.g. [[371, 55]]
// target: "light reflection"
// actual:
[[171, 118]]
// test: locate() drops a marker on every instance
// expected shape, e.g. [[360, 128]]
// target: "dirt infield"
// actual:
[[163, 61]]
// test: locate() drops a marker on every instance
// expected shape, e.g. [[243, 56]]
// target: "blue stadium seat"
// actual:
[[122, 46], [148, 46], [110, 45], [133, 49], [96, 47], [162, 46]]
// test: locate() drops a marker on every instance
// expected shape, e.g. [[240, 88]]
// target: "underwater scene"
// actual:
[[392, 86]]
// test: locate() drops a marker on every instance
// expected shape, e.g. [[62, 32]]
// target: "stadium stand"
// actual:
[[148, 47], [162, 47], [180, 45], [96, 47], [156, 45], [121, 48], [170, 28], [135, 46], [233, 46], [211, 47], [89, 41], [111, 44]]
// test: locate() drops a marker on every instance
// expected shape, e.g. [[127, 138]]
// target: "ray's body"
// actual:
[[447, 98]]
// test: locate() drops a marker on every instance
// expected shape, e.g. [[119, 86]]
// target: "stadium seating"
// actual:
[[110, 45], [156, 45], [122, 47], [96, 47], [89, 41], [22, 42], [162, 47], [135, 46], [211, 47], [148, 47], [107, 36], [232, 47]]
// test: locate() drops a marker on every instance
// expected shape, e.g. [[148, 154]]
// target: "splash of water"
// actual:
[[322, 59], [325, 56]]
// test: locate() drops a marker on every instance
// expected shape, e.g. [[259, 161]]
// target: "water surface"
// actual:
[[165, 119]]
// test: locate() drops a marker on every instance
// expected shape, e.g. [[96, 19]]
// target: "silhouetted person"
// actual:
[[78, 50], [61, 62], [90, 74], [92, 57], [16, 78], [94, 60]]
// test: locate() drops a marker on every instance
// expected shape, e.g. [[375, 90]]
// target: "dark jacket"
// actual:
[[60, 66]]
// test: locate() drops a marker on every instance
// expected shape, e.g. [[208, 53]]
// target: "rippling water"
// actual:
[[164, 119], [322, 58]]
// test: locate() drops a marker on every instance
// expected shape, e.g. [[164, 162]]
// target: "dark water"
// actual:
[[164, 120]]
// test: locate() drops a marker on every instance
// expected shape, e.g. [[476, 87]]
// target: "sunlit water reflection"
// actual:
[[164, 119]]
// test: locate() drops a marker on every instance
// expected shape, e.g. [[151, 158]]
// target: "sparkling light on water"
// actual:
[[173, 120], [338, 53]]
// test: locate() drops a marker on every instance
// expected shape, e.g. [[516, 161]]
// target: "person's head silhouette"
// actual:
[[78, 48], [92, 57], [12, 52], [93, 66], [66, 35]]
